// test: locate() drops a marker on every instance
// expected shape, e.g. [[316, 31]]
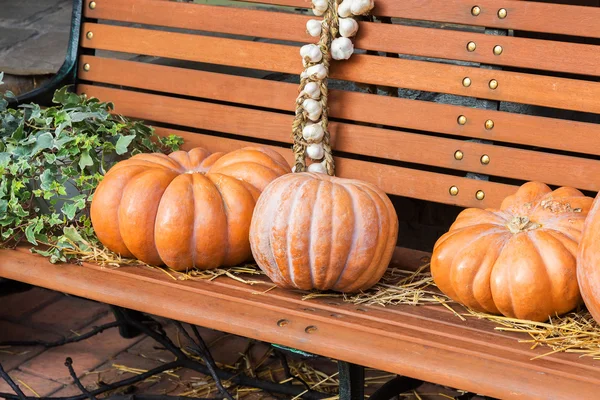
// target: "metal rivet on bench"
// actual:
[[458, 155], [310, 329], [89, 35], [471, 46], [86, 67], [92, 4], [466, 82], [498, 50], [489, 124], [283, 322], [476, 10], [461, 120], [480, 195], [493, 84], [502, 13], [485, 159], [453, 190]]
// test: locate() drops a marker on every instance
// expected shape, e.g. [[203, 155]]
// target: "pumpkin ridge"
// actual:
[[194, 230], [273, 155], [376, 259], [310, 235], [354, 233], [225, 211], [297, 196], [130, 181], [502, 237], [534, 241], [153, 156]]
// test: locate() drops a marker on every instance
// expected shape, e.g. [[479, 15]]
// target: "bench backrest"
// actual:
[[200, 68]]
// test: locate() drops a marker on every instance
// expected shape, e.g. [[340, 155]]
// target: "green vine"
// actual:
[[51, 161]]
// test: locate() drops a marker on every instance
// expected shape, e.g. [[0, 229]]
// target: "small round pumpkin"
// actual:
[[188, 209], [520, 260], [315, 231], [588, 261]]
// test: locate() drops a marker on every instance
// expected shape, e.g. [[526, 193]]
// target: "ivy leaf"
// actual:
[[69, 209], [44, 141], [85, 160], [123, 143], [30, 234]]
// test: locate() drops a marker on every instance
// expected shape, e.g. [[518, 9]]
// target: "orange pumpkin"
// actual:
[[520, 260], [314, 231], [588, 261], [185, 210]]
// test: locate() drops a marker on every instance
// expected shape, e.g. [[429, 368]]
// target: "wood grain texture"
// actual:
[[522, 15], [545, 91], [518, 52], [509, 128], [357, 139], [421, 342]]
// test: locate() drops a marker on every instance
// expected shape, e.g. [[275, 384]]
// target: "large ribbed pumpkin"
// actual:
[[188, 209], [520, 260], [314, 231], [588, 261]]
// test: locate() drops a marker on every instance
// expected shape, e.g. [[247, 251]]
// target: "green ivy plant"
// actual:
[[51, 161]]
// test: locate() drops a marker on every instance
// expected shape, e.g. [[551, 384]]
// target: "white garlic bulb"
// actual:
[[313, 108], [315, 151], [314, 27], [311, 53], [348, 27], [312, 90], [344, 9], [318, 71], [360, 7], [341, 48], [313, 132], [319, 6], [319, 168]]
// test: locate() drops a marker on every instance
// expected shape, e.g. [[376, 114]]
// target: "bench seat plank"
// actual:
[[557, 56], [421, 342], [562, 93]]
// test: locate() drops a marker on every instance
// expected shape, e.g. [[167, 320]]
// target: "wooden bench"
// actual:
[[216, 76]]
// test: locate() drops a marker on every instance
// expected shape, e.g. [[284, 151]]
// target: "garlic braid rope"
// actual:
[[310, 129]]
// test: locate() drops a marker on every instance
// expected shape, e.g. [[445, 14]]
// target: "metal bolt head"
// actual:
[[86, 67], [485, 159], [498, 50], [92, 5], [458, 155], [475, 11], [461, 120], [453, 190], [493, 84], [502, 13], [489, 124], [466, 82], [480, 195], [471, 46], [89, 35]]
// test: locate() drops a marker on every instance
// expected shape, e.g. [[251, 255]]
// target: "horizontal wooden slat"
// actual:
[[511, 128], [357, 139], [395, 180], [418, 75], [518, 52], [522, 15], [419, 343]]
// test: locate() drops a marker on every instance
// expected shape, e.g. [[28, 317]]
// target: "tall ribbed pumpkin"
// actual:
[[314, 231], [311, 230], [188, 209], [588, 261], [519, 260]]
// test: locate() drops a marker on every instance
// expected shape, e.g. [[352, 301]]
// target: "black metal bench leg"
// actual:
[[352, 381], [128, 331], [395, 387]]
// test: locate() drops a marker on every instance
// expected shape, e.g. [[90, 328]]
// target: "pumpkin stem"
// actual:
[[521, 224]]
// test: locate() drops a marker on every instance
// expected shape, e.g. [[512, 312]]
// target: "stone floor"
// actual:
[[45, 315]]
